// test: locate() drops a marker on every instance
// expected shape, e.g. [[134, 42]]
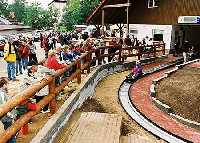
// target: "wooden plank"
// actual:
[[117, 5], [96, 127], [133, 139]]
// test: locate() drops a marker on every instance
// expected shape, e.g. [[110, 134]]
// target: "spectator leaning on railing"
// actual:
[[37, 73]]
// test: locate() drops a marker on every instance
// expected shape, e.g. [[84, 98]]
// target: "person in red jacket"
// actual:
[[52, 62], [24, 51]]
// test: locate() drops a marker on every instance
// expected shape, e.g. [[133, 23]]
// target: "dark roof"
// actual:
[[112, 15], [57, 1], [13, 27]]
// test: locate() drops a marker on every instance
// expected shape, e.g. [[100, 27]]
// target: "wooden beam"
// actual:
[[103, 22], [117, 5], [128, 17]]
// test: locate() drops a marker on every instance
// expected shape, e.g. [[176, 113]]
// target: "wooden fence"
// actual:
[[84, 63]]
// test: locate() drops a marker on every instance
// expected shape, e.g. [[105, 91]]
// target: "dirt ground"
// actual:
[[181, 92], [106, 101]]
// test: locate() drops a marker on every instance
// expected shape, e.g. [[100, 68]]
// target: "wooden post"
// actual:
[[120, 53], [120, 26], [52, 91], [79, 68], [89, 59], [154, 50], [127, 10], [163, 48], [103, 22], [139, 52]]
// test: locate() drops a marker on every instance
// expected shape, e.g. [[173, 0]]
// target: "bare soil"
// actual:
[[181, 92], [106, 101]]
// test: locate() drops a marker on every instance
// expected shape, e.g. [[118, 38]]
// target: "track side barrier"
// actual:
[[81, 64]]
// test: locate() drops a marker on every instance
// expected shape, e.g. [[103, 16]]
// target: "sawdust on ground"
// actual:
[[181, 92], [106, 101]]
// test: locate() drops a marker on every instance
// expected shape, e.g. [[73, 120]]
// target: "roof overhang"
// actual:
[[117, 5], [57, 1], [114, 12], [13, 27]]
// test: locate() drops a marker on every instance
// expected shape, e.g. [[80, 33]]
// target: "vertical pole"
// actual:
[[127, 10], [52, 91], [79, 69], [154, 48], [89, 58], [163, 48], [103, 22], [121, 32], [139, 52], [120, 53]]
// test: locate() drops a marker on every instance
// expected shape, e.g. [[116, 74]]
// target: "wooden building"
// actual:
[[141, 12], [160, 12]]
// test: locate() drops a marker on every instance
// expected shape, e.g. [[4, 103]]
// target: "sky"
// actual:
[[44, 3]]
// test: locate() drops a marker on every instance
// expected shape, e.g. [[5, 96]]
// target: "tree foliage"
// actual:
[[32, 15], [3, 7], [77, 11], [18, 7]]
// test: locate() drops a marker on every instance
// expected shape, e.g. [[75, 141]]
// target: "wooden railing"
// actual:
[[84, 63]]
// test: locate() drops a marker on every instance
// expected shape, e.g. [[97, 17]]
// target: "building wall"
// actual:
[[147, 30], [167, 12]]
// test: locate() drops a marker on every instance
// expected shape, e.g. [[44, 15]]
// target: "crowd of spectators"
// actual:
[[60, 51]]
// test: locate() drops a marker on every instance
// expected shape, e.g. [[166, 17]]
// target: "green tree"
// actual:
[[18, 7], [39, 18], [87, 6], [77, 11], [3, 7]]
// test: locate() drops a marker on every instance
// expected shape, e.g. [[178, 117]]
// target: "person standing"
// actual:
[[24, 54], [32, 53], [10, 58], [186, 47], [18, 58]]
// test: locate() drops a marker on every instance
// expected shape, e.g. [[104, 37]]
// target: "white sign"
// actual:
[[189, 19]]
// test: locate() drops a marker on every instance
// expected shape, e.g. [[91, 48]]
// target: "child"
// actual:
[[137, 71]]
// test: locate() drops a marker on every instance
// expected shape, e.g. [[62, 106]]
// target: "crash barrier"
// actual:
[[86, 90], [81, 64]]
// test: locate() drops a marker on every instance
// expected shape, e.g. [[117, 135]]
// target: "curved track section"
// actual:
[[140, 119]]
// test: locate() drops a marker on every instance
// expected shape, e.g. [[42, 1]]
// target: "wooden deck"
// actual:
[[96, 128], [133, 139]]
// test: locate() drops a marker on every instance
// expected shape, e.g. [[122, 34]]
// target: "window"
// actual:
[[133, 31], [157, 34], [153, 3]]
